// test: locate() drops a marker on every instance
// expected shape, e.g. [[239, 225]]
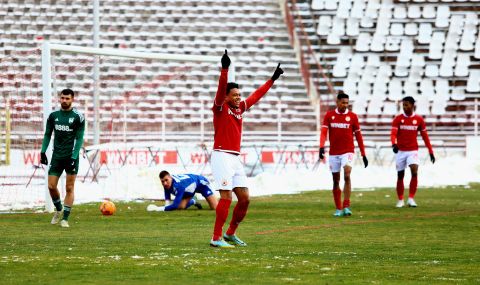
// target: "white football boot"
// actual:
[[64, 224], [56, 217], [411, 203], [400, 204]]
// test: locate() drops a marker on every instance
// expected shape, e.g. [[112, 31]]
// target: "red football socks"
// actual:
[[337, 197], [400, 189], [413, 187], [221, 216], [239, 212], [346, 203]]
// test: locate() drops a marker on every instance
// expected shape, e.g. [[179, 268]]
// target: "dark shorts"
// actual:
[[57, 166]]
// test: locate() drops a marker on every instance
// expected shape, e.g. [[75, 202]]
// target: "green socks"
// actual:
[[66, 212], [58, 204]]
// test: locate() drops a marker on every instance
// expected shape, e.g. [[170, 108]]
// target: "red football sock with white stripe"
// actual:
[[337, 197], [413, 187], [400, 189], [221, 216], [239, 212]]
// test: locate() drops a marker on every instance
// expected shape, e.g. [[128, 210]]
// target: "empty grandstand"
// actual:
[[379, 51], [376, 51]]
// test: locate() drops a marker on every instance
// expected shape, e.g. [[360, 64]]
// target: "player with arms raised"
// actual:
[[405, 128], [69, 125], [227, 168], [341, 125]]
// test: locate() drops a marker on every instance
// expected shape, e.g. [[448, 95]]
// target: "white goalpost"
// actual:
[[143, 97]]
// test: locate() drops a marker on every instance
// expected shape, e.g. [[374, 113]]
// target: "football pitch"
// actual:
[[292, 239]]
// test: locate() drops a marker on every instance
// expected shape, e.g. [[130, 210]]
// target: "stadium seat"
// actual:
[[324, 25], [414, 12], [396, 29], [442, 88], [427, 89], [399, 12], [429, 12], [331, 4], [462, 64], [390, 108], [367, 22], [443, 15], [318, 4], [473, 82], [411, 29], [425, 33], [363, 42], [436, 45], [343, 10], [422, 106], [357, 9], [458, 95], [352, 29]]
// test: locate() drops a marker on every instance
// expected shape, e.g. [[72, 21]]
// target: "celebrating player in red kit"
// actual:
[[341, 124], [405, 128], [227, 168]]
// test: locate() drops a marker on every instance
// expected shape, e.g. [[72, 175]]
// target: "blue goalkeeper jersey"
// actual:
[[186, 185]]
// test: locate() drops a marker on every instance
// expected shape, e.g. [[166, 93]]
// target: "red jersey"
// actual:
[[227, 121], [341, 127], [405, 130]]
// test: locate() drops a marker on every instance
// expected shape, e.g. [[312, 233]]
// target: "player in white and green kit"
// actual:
[[68, 124]]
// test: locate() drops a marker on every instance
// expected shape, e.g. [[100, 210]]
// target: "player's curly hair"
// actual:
[[231, 85]]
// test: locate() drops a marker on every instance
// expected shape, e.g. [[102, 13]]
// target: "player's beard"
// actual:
[[66, 106]]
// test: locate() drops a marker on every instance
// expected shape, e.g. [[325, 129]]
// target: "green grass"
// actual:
[[292, 239]]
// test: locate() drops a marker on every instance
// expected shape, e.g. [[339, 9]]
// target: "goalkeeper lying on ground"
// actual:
[[184, 187]]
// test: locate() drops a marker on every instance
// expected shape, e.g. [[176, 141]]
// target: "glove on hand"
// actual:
[[277, 73], [43, 158], [225, 60]]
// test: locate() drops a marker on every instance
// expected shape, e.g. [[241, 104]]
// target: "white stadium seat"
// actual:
[[363, 42], [318, 4], [422, 105], [429, 12], [462, 64], [473, 82], [431, 70], [427, 89], [411, 29], [414, 12], [443, 15]]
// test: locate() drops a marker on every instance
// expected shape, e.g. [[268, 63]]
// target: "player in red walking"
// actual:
[[405, 128], [341, 124], [227, 168]]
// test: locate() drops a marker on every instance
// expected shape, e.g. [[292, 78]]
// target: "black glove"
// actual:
[[277, 73], [365, 161], [70, 167], [225, 60], [395, 148], [43, 158], [321, 153], [432, 158]]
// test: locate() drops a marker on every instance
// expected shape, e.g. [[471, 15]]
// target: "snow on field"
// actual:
[[133, 183]]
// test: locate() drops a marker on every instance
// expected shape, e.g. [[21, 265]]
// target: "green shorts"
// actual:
[[57, 166]]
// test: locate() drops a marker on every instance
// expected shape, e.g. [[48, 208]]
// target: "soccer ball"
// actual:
[[107, 208]]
